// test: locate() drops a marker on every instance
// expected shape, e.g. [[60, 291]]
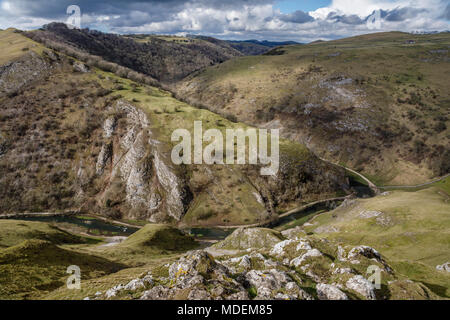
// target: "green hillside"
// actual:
[[411, 228], [378, 103]]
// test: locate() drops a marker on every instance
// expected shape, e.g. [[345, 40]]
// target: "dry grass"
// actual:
[[13, 46]]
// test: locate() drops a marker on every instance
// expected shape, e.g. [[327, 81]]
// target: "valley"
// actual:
[[86, 120], [376, 103]]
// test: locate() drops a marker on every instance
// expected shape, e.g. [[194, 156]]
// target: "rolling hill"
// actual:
[[376, 103], [166, 59]]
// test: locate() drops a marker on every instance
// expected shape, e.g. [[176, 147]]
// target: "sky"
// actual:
[[297, 20]]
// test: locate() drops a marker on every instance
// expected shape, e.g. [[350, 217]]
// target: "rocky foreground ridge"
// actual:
[[289, 266]]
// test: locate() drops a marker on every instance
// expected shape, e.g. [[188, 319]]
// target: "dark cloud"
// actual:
[[57, 8], [297, 17], [446, 14], [230, 19]]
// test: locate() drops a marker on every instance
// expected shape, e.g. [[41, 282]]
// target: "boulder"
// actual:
[[362, 286], [80, 67], [444, 267], [309, 254], [156, 293], [330, 292], [266, 282], [278, 249], [245, 238], [111, 293]]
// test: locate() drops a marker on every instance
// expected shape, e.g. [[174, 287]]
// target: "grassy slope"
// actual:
[[152, 240], [31, 268], [14, 232], [34, 258], [249, 86], [13, 46], [148, 248], [415, 235]]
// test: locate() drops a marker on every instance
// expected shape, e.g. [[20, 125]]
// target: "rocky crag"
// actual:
[[272, 266]]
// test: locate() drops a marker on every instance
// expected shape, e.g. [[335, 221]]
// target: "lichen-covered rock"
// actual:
[[304, 245], [278, 249], [198, 294], [362, 286], [365, 251], [156, 293], [194, 263], [369, 253], [245, 238], [266, 282], [309, 254], [136, 284], [111, 293], [263, 275], [330, 292]]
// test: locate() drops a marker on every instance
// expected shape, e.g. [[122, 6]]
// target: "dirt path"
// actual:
[[377, 189], [417, 186]]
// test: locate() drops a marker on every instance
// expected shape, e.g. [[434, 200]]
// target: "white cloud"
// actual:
[[236, 19]]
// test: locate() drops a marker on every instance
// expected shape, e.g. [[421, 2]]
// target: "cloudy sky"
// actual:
[[299, 20]]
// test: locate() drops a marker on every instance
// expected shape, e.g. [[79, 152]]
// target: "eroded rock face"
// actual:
[[175, 193], [152, 187], [103, 158], [16, 75], [109, 126]]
